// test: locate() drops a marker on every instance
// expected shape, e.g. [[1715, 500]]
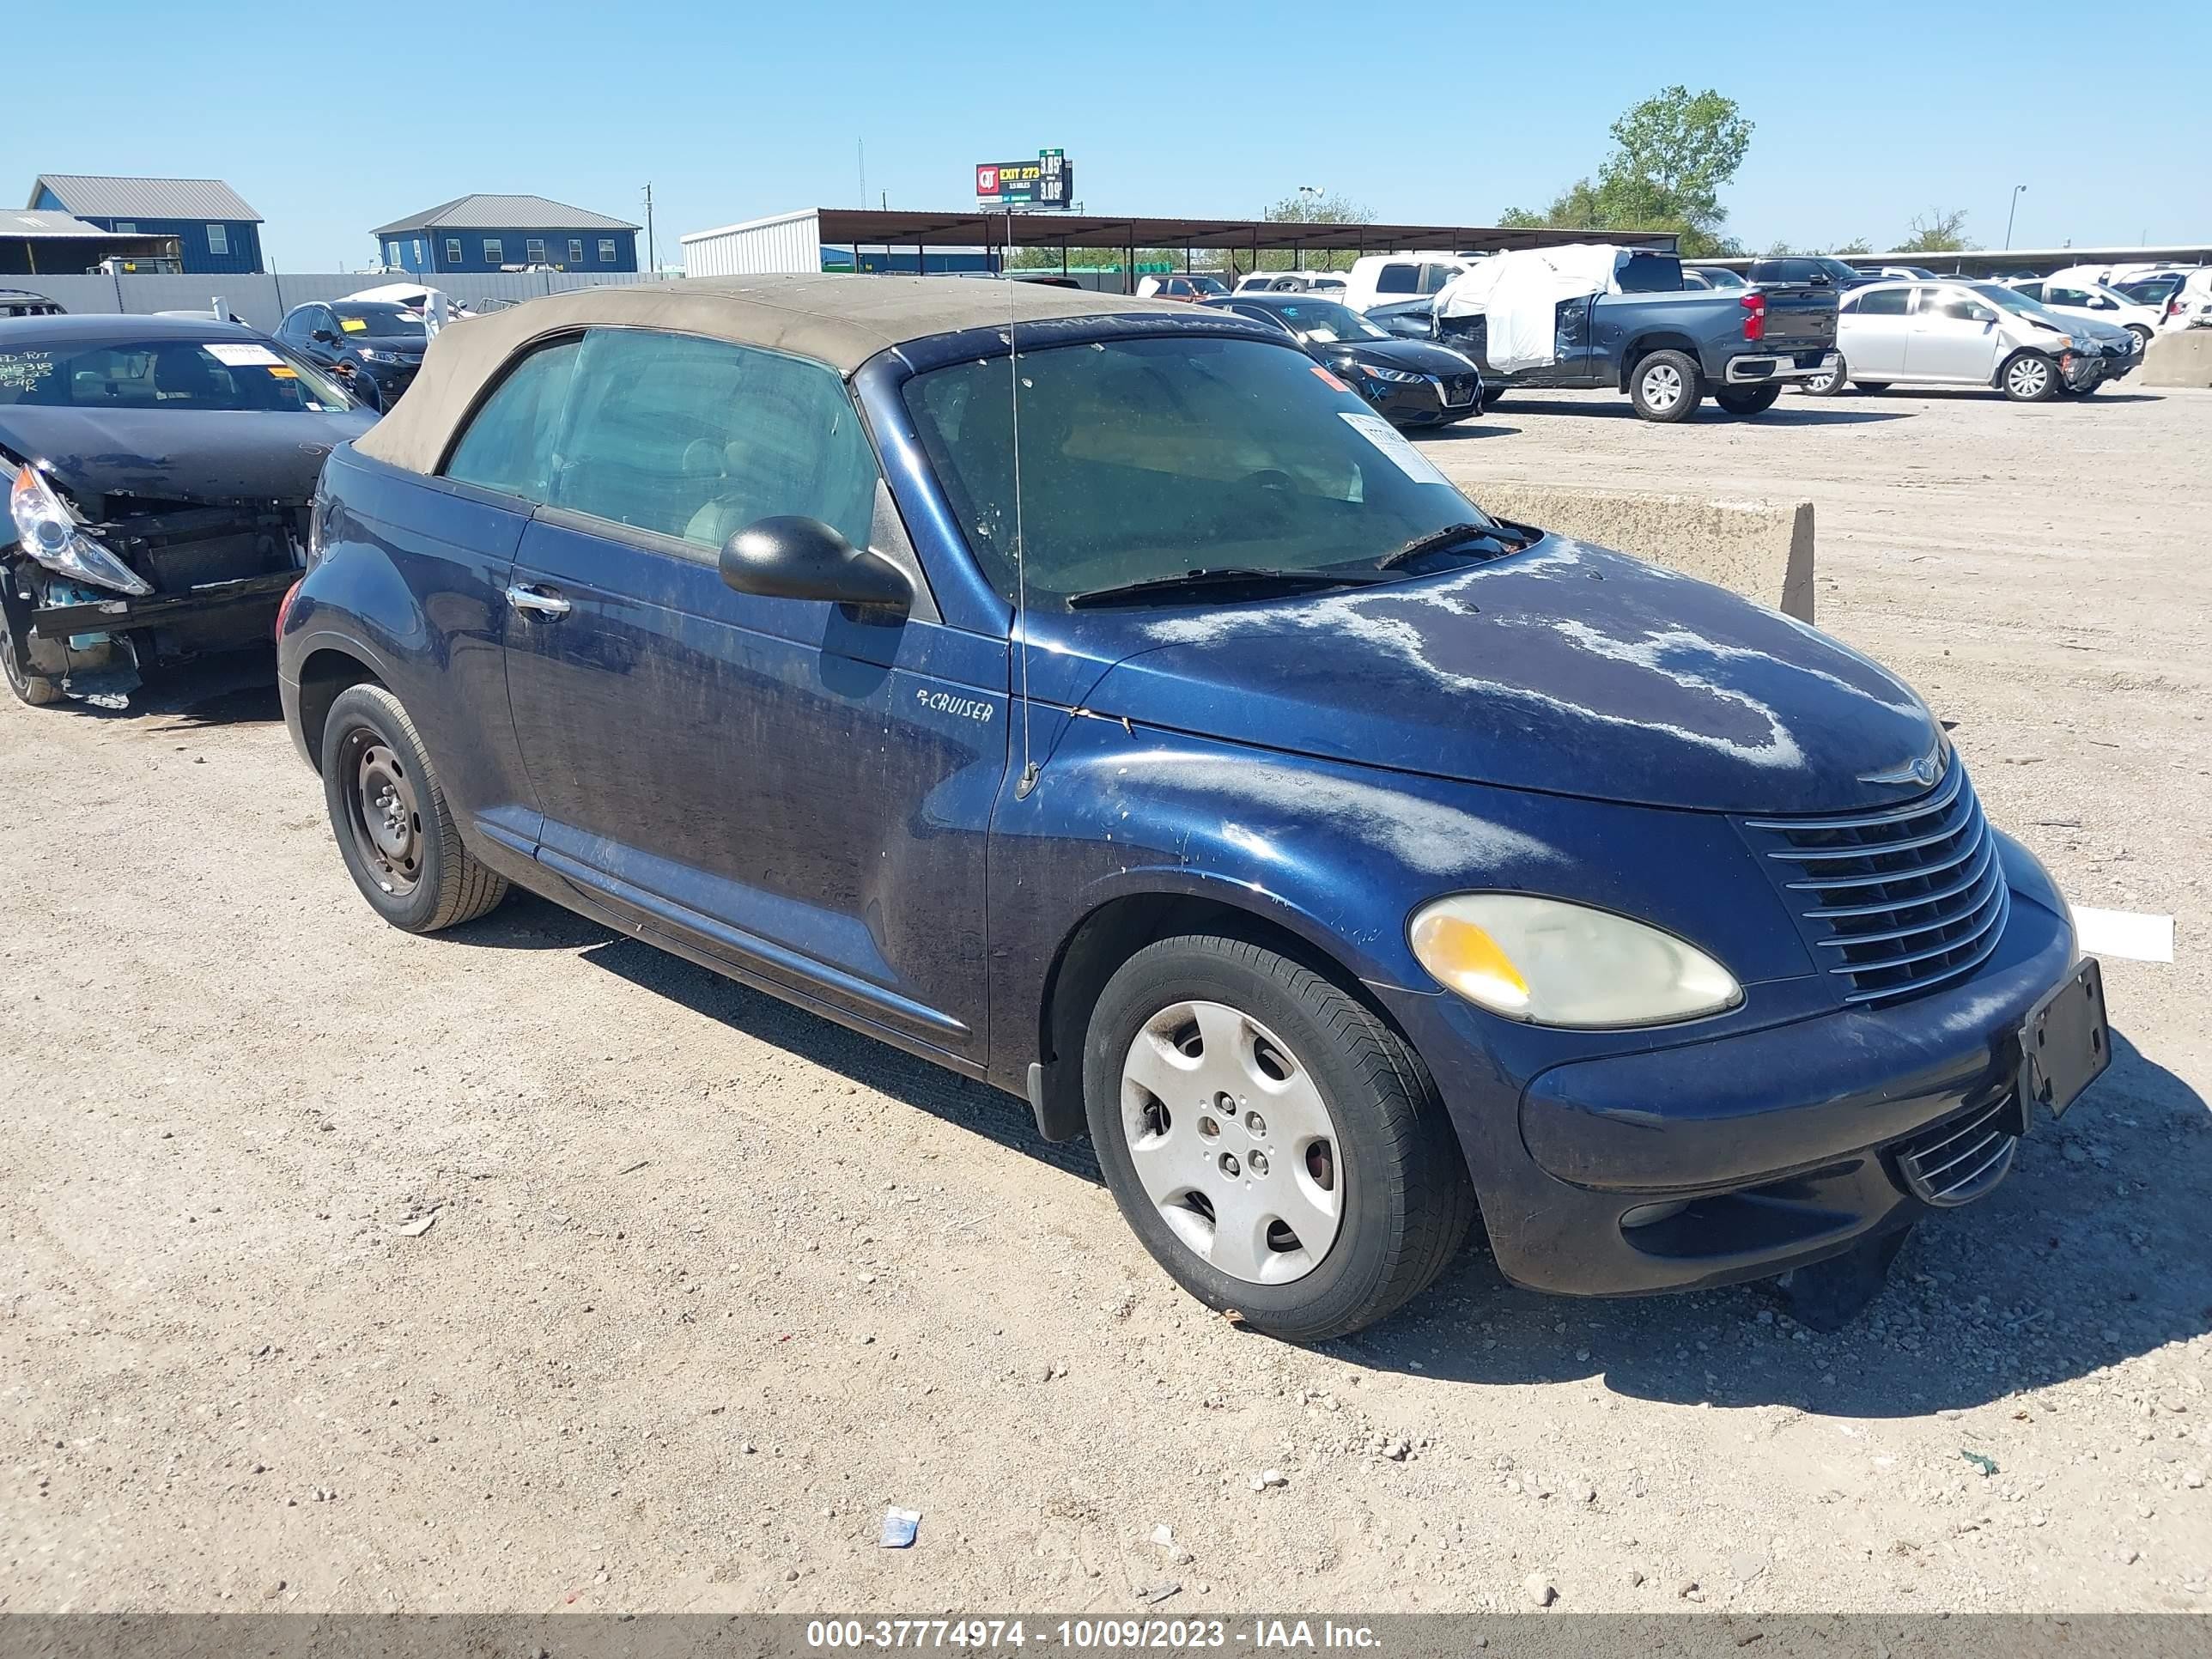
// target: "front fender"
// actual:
[[1341, 856]]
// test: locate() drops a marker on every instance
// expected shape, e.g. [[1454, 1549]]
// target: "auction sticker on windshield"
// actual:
[[1387, 438], [242, 356]]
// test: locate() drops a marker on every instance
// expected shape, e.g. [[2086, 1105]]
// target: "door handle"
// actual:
[[537, 603]]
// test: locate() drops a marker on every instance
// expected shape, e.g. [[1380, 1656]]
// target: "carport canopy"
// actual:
[[876, 228]]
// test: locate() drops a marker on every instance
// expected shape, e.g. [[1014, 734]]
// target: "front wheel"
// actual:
[[1748, 399], [2030, 378], [398, 836], [2143, 338], [1276, 1147], [1665, 386], [1828, 382], [36, 689]]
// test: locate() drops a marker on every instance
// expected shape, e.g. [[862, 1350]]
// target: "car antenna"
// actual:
[[1028, 780]]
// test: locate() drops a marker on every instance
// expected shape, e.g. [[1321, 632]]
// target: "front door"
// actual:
[[802, 791], [1871, 331], [1954, 337]]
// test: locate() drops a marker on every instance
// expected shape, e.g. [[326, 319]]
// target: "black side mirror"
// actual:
[[322, 334], [792, 557]]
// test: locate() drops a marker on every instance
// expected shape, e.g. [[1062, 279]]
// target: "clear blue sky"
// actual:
[[1866, 113]]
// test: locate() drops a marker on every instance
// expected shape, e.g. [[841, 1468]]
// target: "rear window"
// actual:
[[1650, 273], [201, 376]]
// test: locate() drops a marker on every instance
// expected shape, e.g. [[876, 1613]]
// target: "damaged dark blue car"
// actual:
[[1132, 719]]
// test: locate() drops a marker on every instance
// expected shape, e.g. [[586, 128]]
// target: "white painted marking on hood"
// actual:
[[2130, 934], [1426, 834]]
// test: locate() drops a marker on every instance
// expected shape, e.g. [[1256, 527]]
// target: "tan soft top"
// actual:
[[839, 321]]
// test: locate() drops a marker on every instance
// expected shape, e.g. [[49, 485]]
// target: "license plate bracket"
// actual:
[[2065, 1042]]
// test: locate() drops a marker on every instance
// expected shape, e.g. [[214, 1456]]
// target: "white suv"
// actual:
[[2074, 295]]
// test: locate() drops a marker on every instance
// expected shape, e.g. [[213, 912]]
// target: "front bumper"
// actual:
[[1740, 1156], [1760, 367], [1432, 400], [118, 613], [391, 379]]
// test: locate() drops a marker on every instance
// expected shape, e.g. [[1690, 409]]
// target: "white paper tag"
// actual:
[[248, 355], [1387, 439]]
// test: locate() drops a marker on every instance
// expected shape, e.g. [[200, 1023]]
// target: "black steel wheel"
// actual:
[[399, 840], [36, 689]]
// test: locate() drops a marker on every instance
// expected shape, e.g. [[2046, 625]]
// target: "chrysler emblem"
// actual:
[[1922, 771]]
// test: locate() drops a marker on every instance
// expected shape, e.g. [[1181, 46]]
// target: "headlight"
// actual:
[[1397, 374], [1554, 964], [49, 533], [371, 355]]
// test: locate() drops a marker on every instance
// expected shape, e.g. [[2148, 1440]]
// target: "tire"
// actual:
[[2143, 338], [1748, 399], [1359, 1152], [412, 868], [1826, 386], [2029, 377], [36, 689], [1869, 385], [1665, 386]]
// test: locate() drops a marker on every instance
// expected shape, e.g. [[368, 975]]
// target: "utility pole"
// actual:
[[652, 254], [2011, 210]]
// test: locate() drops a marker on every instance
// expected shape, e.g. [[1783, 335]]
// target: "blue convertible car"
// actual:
[[1098, 698]]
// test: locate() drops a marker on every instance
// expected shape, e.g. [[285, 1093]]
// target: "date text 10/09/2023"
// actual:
[[1087, 1635]]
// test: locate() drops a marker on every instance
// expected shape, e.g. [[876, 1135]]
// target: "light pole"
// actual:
[[2011, 210]]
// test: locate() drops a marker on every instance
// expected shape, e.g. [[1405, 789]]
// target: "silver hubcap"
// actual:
[[1662, 385], [2030, 375], [1233, 1142], [1819, 382]]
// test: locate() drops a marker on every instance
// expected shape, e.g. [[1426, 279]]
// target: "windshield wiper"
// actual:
[[1198, 581], [1450, 535]]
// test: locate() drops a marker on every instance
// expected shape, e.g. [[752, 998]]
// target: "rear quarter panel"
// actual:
[[412, 581]]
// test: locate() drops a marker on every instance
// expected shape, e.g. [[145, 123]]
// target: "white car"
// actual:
[[1381, 279], [1187, 285], [2075, 295], [1328, 283], [2190, 306], [1965, 333]]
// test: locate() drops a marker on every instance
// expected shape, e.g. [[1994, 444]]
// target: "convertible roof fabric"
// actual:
[[838, 320]]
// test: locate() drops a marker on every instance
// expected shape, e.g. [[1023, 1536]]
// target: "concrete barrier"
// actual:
[[2183, 357], [1761, 550]]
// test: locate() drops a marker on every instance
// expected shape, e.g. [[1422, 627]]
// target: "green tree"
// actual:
[[1938, 232], [1853, 249], [1302, 208], [1672, 153]]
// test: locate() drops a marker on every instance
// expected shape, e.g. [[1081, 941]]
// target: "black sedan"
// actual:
[[371, 338], [159, 471], [1409, 382]]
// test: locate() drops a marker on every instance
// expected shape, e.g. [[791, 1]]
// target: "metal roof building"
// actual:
[[486, 233], [214, 227], [794, 241]]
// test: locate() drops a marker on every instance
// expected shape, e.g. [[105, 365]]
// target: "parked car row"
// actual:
[[1411, 383]]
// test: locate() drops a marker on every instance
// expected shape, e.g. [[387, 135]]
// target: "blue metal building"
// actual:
[[215, 230], [478, 234]]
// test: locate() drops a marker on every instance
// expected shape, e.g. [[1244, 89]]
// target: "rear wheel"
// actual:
[[1828, 382], [1748, 399], [35, 689], [1665, 386], [2143, 338], [2030, 378], [398, 836], [1276, 1146]]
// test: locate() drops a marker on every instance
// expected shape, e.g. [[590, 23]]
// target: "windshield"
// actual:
[[219, 375], [1149, 458], [1718, 275], [384, 321], [1207, 284], [2011, 300], [2150, 291], [1327, 321]]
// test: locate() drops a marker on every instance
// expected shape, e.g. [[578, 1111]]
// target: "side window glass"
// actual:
[[697, 438], [1398, 279], [1882, 302], [510, 443]]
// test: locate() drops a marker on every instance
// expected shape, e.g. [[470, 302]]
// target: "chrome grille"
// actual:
[[1958, 1161], [1897, 900]]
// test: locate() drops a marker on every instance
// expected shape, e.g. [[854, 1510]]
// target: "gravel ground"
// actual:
[[706, 1283]]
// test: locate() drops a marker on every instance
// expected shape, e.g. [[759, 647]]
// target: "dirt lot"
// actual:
[[711, 1282]]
